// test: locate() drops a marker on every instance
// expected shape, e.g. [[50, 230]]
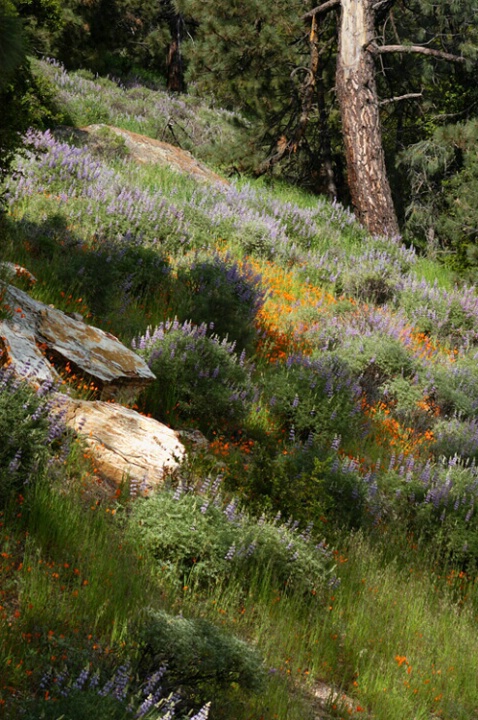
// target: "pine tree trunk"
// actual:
[[174, 62], [357, 97]]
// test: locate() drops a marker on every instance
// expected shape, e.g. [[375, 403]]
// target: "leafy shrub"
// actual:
[[449, 315], [311, 398], [308, 482], [456, 438], [27, 430], [442, 502], [202, 539], [374, 287], [455, 389], [376, 359], [199, 375], [199, 657], [223, 294], [405, 396]]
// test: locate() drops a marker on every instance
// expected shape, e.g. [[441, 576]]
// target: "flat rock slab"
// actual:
[[124, 443], [19, 349], [117, 371], [144, 149]]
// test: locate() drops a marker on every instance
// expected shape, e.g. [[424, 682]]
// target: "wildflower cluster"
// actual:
[[212, 537], [200, 376], [29, 427], [118, 695]]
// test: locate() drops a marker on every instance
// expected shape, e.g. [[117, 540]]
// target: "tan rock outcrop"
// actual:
[[125, 444], [144, 149]]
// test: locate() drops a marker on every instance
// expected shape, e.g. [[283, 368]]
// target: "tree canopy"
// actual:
[[286, 64]]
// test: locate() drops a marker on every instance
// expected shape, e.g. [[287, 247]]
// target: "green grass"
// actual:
[[395, 630]]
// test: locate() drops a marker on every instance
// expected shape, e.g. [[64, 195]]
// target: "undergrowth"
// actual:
[[325, 529]]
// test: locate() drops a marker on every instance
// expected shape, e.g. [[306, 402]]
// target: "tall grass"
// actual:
[[361, 358]]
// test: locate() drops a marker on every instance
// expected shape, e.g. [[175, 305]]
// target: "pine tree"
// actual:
[[249, 53]]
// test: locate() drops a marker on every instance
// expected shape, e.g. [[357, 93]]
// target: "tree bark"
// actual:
[[174, 61], [359, 107]]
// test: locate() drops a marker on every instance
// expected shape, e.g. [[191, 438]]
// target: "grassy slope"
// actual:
[[395, 628]]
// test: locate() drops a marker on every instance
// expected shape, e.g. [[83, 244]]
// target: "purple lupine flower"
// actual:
[[15, 463], [335, 444], [178, 492], [107, 688], [203, 713], [230, 510], [231, 552], [81, 679], [121, 682]]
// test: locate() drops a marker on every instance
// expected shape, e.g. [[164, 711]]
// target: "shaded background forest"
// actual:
[[259, 59]]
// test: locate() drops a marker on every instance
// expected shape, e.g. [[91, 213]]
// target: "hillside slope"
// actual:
[[323, 532]]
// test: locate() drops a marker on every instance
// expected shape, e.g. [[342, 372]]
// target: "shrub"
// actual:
[[455, 389], [223, 294], [375, 359], [199, 657], [456, 438], [27, 430], [202, 539], [368, 286], [311, 398], [200, 376]]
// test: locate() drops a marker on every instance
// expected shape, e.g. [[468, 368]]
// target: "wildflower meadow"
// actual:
[[324, 533]]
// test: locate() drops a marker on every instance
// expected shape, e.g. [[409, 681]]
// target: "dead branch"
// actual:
[[418, 49], [408, 96], [321, 9]]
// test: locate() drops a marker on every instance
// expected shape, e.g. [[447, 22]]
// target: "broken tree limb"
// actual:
[[407, 96], [321, 9], [417, 49]]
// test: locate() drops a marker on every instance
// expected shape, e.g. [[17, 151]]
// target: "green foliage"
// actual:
[[12, 43], [25, 430], [446, 516], [313, 398], [200, 657], [27, 101], [200, 376], [374, 287], [456, 438], [78, 705], [456, 392], [374, 360], [200, 540], [443, 172], [309, 484], [223, 294], [404, 395]]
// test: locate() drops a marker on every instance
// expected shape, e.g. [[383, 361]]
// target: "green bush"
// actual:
[[224, 295], [199, 657], [313, 398], [27, 432], [455, 389], [200, 539], [200, 377], [456, 437], [375, 360]]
